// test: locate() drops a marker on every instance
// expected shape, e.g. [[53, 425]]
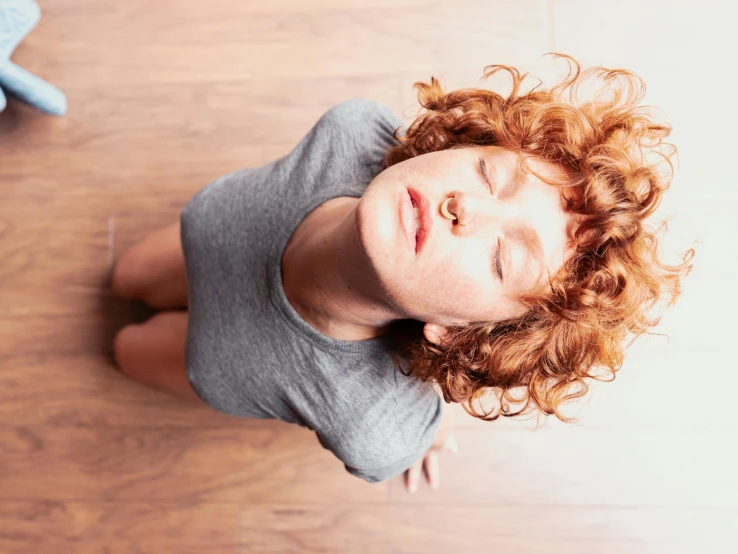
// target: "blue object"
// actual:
[[17, 18]]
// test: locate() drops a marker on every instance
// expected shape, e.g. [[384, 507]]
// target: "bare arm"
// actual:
[[444, 441]]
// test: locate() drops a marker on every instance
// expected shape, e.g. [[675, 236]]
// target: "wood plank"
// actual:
[[556, 467], [302, 41], [85, 391], [63, 266], [469, 528], [193, 10], [269, 462], [88, 527], [47, 264], [249, 111], [64, 335], [576, 466]]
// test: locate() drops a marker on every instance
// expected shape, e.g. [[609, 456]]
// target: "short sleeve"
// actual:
[[361, 131], [380, 456]]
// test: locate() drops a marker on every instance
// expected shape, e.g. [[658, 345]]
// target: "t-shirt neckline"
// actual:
[[280, 301]]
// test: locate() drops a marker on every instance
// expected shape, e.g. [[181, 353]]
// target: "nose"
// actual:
[[471, 211]]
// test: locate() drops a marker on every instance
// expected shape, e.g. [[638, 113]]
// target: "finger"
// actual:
[[413, 476], [432, 470], [451, 445]]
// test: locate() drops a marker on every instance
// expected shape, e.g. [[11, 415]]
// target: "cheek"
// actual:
[[384, 179], [475, 292], [462, 280]]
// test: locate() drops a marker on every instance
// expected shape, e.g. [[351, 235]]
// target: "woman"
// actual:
[[497, 245]]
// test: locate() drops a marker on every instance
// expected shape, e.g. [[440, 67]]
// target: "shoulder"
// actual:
[[362, 121], [348, 143], [381, 441], [358, 111]]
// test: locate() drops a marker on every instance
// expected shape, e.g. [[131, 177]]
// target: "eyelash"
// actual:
[[483, 169], [498, 260]]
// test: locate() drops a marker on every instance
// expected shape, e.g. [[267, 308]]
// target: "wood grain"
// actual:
[[178, 463], [273, 462], [163, 98], [72, 526]]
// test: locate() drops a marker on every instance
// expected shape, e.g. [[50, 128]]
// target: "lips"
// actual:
[[420, 202]]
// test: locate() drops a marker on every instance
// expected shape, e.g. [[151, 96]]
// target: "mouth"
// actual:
[[421, 220]]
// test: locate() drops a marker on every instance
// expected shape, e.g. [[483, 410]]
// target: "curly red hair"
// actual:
[[619, 167]]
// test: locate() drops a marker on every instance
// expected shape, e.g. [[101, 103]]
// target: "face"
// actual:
[[511, 233]]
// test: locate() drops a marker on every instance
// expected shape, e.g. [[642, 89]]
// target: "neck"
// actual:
[[329, 280]]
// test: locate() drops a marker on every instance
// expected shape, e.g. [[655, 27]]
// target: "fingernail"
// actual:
[[413, 487]]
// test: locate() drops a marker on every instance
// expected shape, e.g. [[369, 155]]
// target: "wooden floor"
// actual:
[[164, 97]]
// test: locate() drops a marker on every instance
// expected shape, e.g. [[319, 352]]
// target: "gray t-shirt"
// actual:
[[249, 353]]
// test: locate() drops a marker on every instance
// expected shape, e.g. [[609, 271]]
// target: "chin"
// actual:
[[378, 241], [375, 231]]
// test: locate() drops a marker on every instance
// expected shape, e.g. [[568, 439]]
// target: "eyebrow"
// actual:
[[510, 187], [529, 240]]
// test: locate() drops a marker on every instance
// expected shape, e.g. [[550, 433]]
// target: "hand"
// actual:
[[431, 464]]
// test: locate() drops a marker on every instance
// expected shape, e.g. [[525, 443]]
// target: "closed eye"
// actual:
[[498, 259], [485, 175], [498, 256]]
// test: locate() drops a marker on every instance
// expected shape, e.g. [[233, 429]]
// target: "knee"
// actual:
[[123, 344], [124, 279]]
